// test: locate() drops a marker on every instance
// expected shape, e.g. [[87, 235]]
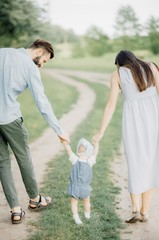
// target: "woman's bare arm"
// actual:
[[155, 71], [110, 106]]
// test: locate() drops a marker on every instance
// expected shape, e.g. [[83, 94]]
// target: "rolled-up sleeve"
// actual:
[[37, 89]]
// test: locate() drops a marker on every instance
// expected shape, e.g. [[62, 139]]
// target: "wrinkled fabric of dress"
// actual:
[[140, 132]]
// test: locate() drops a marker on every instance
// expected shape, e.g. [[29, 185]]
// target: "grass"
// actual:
[[103, 63], [99, 64], [56, 223], [61, 103]]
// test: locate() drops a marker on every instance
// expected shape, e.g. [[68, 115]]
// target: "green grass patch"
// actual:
[[60, 102], [100, 64], [57, 223], [103, 63]]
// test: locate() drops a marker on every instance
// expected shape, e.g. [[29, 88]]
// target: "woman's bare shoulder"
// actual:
[[154, 66]]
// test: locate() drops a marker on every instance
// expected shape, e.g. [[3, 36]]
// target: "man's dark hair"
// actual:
[[40, 43]]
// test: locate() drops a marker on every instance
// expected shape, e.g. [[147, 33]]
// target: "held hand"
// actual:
[[64, 138], [96, 138], [64, 142]]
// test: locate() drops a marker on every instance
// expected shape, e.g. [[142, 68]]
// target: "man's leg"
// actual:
[[17, 137], [6, 174], [8, 182]]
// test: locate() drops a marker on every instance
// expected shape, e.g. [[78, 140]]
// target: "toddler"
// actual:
[[81, 175]]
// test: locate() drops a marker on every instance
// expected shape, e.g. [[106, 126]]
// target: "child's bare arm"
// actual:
[[67, 147]]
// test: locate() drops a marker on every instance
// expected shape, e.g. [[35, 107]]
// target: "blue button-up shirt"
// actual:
[[18, 72]]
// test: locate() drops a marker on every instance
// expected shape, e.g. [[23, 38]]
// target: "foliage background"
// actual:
[[22, 21]]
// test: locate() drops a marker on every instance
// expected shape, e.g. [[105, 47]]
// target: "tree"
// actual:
[[153, 34], [127, 26], [97, 41], [127, 22], [18, 18]]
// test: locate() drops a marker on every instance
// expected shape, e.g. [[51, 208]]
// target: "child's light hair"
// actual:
[[87, 145]]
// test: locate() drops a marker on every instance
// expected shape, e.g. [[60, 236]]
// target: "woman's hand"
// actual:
[[97, 137]]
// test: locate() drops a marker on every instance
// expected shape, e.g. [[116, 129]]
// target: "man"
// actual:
[[18, 71]]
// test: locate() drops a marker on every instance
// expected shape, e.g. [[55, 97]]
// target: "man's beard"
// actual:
[[36, 61]]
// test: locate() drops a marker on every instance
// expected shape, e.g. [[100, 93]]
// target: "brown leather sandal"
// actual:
[[38, 205], [19, 214], [134, 219]]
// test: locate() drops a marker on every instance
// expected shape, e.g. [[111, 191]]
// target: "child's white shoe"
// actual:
[[77, 219], [87, 215]]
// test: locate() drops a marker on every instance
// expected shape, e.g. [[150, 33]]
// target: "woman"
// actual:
[[139, 83]]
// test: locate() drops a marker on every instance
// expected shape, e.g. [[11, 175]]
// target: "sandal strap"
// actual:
[[135, 218], [46, 199], [16, 214], [132, 220], [35, 203], [20, 214], [38, 204]]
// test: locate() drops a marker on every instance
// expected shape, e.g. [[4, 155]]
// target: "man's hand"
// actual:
[[64, 138]]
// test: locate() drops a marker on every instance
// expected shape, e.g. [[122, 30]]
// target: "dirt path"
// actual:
[[48, 145], [138, 231]]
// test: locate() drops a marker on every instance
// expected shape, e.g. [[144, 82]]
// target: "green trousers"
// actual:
[[15, 135]]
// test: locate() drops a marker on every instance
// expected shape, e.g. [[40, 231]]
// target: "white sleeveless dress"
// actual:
[[140, 132]]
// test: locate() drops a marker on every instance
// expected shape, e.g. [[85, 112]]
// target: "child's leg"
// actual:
[[74, 208], [87, 207]]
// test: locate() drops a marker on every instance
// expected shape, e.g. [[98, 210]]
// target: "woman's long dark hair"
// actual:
[[141, 70]]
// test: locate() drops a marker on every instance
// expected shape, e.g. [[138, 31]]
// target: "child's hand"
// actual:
[[96, 138], [64, 142]]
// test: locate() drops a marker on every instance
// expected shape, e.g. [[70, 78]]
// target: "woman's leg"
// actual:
[[146, 200], [135, 200]]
